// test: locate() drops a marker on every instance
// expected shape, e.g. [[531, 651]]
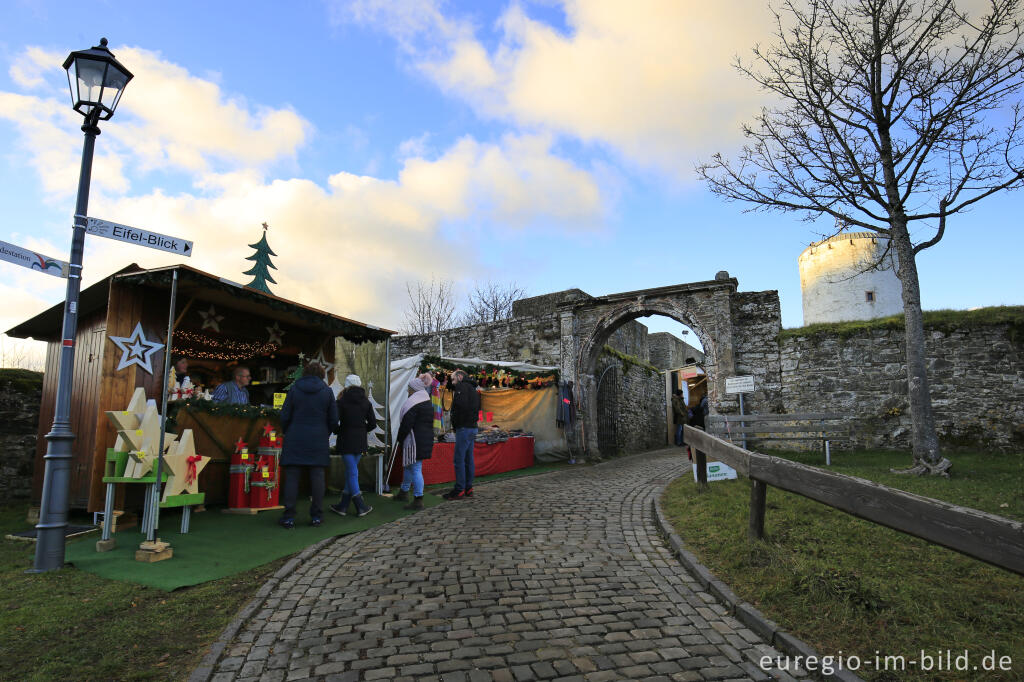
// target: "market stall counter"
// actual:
[[488, 458], [217, 435]]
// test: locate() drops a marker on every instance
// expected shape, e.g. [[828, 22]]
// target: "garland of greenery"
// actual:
[[630, 361], [221, 409], [434, 361]]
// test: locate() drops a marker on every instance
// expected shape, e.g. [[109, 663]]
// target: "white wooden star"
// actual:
[[211, 319], [328, 366], [136, 350], [179, 462], [276, 334]]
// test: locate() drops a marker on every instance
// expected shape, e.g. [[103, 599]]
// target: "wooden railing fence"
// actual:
[[990, 538]]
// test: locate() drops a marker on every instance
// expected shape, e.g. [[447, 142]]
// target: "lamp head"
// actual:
[[97, 81]]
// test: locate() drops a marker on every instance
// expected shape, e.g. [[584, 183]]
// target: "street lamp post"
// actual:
[[97, 81]]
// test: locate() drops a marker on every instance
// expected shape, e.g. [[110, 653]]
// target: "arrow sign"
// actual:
[[133, 235], [13, 253]]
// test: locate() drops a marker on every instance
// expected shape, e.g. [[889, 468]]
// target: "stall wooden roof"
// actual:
[[46, 326]]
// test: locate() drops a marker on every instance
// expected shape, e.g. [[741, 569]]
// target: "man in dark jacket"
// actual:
[[679, 416], [308, 418], [356, 420], [465, 414]]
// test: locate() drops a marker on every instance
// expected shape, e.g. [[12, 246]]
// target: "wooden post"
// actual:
[[758, 494], [702, 470]]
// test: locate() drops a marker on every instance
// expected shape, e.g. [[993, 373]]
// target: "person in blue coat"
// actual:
[[308, 418]]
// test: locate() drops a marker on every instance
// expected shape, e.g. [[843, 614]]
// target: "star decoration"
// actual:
[[211, 319], [265, 226], [183, 467], [136, 350], [268, 428], [239, 444], [276, 334], [328, 366]]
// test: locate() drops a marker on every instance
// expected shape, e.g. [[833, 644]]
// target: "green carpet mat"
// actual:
[[219, 545]]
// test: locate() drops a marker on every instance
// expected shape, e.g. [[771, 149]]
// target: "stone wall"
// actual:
[[532, 339], [756, 323], [20, 393], [668, 351], [976, 376], [631, 404]]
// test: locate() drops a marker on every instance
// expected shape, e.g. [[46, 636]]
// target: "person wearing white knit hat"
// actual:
[[356, 419]]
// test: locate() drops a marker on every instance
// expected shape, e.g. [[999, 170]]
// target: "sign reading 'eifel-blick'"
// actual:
[[133, 235]]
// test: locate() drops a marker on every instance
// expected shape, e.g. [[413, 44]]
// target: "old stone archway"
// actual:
[[709, 308]]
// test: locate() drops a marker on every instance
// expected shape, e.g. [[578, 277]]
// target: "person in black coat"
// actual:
[[415, 441], [465, 414], [308, 418], [356, 420]]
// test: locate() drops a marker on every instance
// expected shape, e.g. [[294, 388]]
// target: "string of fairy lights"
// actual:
[[198, 345]]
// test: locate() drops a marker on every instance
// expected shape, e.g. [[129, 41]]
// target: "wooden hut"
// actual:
[[120, 345]]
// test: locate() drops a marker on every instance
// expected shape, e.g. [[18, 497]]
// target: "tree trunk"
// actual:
[[927, 458]]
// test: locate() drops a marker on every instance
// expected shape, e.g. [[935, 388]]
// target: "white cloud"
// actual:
[[347, 245], [653, 80]]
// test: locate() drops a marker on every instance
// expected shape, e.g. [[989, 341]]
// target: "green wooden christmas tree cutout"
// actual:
[[260, 273]]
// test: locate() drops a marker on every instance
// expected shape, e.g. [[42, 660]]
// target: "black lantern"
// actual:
[[96, 80]]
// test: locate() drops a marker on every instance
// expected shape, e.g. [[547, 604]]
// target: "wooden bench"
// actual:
[[821, 426]]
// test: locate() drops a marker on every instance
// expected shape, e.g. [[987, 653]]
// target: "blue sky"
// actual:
[[550, 143]]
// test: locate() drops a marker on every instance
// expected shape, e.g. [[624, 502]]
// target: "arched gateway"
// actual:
[[569, 329], [712, 309]]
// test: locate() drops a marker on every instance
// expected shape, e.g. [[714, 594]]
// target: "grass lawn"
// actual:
[[842, 584], [72, 625]]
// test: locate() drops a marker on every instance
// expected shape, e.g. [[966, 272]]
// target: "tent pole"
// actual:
[[387, 417], [155, 510]]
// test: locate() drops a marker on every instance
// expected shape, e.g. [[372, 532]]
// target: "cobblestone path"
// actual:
[[558, 576]]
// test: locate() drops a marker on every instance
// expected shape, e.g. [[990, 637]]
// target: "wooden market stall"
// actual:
[[218, 324]]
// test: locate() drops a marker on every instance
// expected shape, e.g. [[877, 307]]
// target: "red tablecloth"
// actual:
[[515, 453]]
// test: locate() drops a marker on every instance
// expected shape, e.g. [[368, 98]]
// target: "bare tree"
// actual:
[[893, 113], [15, 353], [491, 301], [431, 307]]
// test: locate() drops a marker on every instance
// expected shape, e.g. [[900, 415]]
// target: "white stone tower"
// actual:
[[849, 277]]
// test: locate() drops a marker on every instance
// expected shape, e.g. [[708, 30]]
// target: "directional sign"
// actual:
[[744, 384], [30, 259], [133, 235]]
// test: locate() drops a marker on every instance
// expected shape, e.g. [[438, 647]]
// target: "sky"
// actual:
[[548, 143]]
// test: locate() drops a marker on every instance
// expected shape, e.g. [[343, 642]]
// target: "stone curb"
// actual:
[[205, 669], [741, 610]]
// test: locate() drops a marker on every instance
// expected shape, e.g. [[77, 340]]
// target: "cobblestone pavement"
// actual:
[[559, 576]]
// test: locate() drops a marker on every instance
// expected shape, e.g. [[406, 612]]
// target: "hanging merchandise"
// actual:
[[565, 414], [490, 376]]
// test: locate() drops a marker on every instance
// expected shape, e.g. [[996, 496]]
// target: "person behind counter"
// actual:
[[308, 418], [234, 392], [180, 364]]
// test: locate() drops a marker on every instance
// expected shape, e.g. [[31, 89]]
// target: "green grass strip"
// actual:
[[843, 584]]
